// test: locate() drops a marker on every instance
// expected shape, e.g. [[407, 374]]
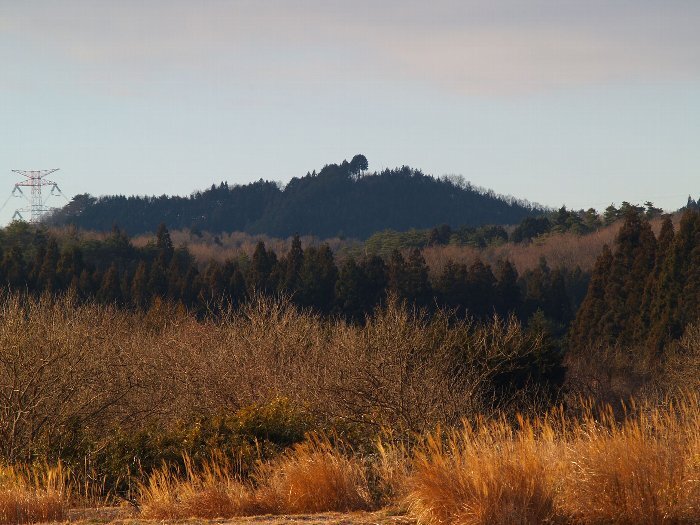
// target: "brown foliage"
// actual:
[[65, 365]]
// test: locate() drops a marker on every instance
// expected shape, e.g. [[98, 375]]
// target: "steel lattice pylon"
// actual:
[[35, 180]]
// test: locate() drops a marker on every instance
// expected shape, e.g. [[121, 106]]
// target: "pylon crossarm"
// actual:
[[37, 204]]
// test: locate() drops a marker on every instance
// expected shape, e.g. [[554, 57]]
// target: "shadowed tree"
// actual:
[[318, 279]]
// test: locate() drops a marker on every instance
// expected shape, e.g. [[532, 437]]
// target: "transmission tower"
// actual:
[[35, 181]]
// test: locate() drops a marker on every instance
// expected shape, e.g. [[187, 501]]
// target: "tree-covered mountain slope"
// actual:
[[342, 199]]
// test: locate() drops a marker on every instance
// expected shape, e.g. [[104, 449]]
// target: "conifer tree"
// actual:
[[47, 281], [261, 268], [139, 285], [673, 302], [507, 291], [349, 290], [214, 282], [164, 245], [318, 279], [86, 283], [70, 266], [397, 275], [610, 215], [14, 269], [110, 289], [452, 287], [481, 282], [237, 286], [633, 261], [418, 289], [585, 327], [157, 280], [291, 267]]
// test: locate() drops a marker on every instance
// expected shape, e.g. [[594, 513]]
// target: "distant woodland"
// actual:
[[340, 200], [643, 287]]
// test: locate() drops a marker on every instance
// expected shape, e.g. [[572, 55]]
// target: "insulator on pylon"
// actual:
[[34, 180]]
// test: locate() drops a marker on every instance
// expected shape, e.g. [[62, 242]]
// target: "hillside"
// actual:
[[341, 200]]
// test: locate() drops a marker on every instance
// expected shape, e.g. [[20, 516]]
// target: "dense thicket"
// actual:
[[341, 200]]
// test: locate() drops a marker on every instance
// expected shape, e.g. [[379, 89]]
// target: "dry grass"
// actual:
[[312, 477], [33, 495], [211, 491], [643, 470], [595, 469], [488, 475]]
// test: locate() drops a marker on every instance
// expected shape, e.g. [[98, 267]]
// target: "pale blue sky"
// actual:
[[579, 103]]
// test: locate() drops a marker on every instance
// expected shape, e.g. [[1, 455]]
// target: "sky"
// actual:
[[561, 102]]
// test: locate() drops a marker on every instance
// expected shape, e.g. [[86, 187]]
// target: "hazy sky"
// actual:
[[580, 103]]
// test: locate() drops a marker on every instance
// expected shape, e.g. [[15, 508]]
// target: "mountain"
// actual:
[[341, 200]]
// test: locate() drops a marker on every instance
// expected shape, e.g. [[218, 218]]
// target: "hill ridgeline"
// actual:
[[341, 200]]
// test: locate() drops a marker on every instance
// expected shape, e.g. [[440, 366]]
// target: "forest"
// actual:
[[340, 200]]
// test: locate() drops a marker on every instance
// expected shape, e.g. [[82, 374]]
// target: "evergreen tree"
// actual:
[[47, 280], [481, 285], [291, 265], [397, 281], [318, 279], [349, 289], [673, 298], [191, 286], [70, 266], [215, 284], [237, 286], [584, 331], [110, 289], [15, 269], [558, 303], [164, 245], [610, 215], [86, 283], [507, 292], [652, 211], [452, 288], [139, 285], [158, 280], [260, 276], [418, 289], [591, 220]]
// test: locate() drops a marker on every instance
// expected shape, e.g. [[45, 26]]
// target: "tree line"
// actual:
[[113, 270]]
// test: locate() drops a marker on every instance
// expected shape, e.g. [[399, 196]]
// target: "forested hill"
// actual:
[[342, 199]]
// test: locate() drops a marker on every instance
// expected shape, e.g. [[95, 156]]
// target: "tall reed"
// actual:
[[33, 494]]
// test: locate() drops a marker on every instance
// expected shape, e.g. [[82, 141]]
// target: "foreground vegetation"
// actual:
[[460, 411], [590, 468], [554, 469], [272, 409]]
